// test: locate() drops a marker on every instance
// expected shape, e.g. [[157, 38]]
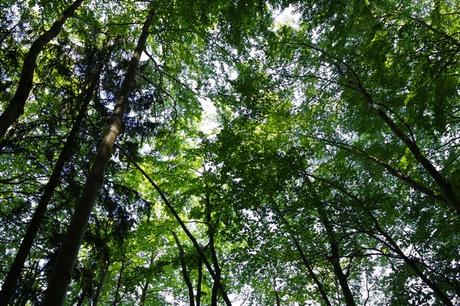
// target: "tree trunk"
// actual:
[[312, 274], [393, 244], [14, 273], [61, 275], [16, 106], [199, 281], [185, 272], [413, 265], [335, 257], [277, 295], [443, 184], [212, 248]]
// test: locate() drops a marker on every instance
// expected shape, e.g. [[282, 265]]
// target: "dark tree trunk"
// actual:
[[277, 295], [394, 245], [440, 180], [199, 281], [14, 273], [81, 298], [185, 273], [312, 274], [62, 271], [335, 258], [16, 106], [212, 249], [413, 265], [145, 289]]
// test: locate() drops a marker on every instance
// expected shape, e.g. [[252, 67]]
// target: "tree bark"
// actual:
[[16, 106], [100, 285], [356, 84], [277, 296], [312, 274], [14, 273], [61, 275], [185, 273], [393, 244]]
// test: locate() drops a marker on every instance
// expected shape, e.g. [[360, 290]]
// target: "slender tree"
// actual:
[[34, 224], [184, 270], [61, 275], [15, 108]]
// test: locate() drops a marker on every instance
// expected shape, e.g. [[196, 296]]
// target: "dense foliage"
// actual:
[[241, 152]]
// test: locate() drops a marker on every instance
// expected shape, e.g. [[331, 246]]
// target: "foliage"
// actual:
[[315, 179]]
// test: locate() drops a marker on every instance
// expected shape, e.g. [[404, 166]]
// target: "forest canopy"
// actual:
[[229, 152]]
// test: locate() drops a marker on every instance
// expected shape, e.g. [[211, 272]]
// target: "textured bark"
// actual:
[[16, 106], [62, 271], [185, 229], [14, 273], [184, 270]]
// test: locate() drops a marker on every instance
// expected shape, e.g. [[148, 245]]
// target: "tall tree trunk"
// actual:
[[394, 245], [335, 257], [16, 106], [212, 249], [440, 180], [334, 245], [62, 271], [199, 281], [81, 298], [412, 264], [185, 229], [185, 273], [14, 273], [277, 295], [144, 291], [312, 274]]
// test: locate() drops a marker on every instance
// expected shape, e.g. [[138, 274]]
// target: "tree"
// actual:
[[253, 152]]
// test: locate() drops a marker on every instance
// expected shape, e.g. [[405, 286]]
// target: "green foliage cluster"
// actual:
[[331, 176]]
